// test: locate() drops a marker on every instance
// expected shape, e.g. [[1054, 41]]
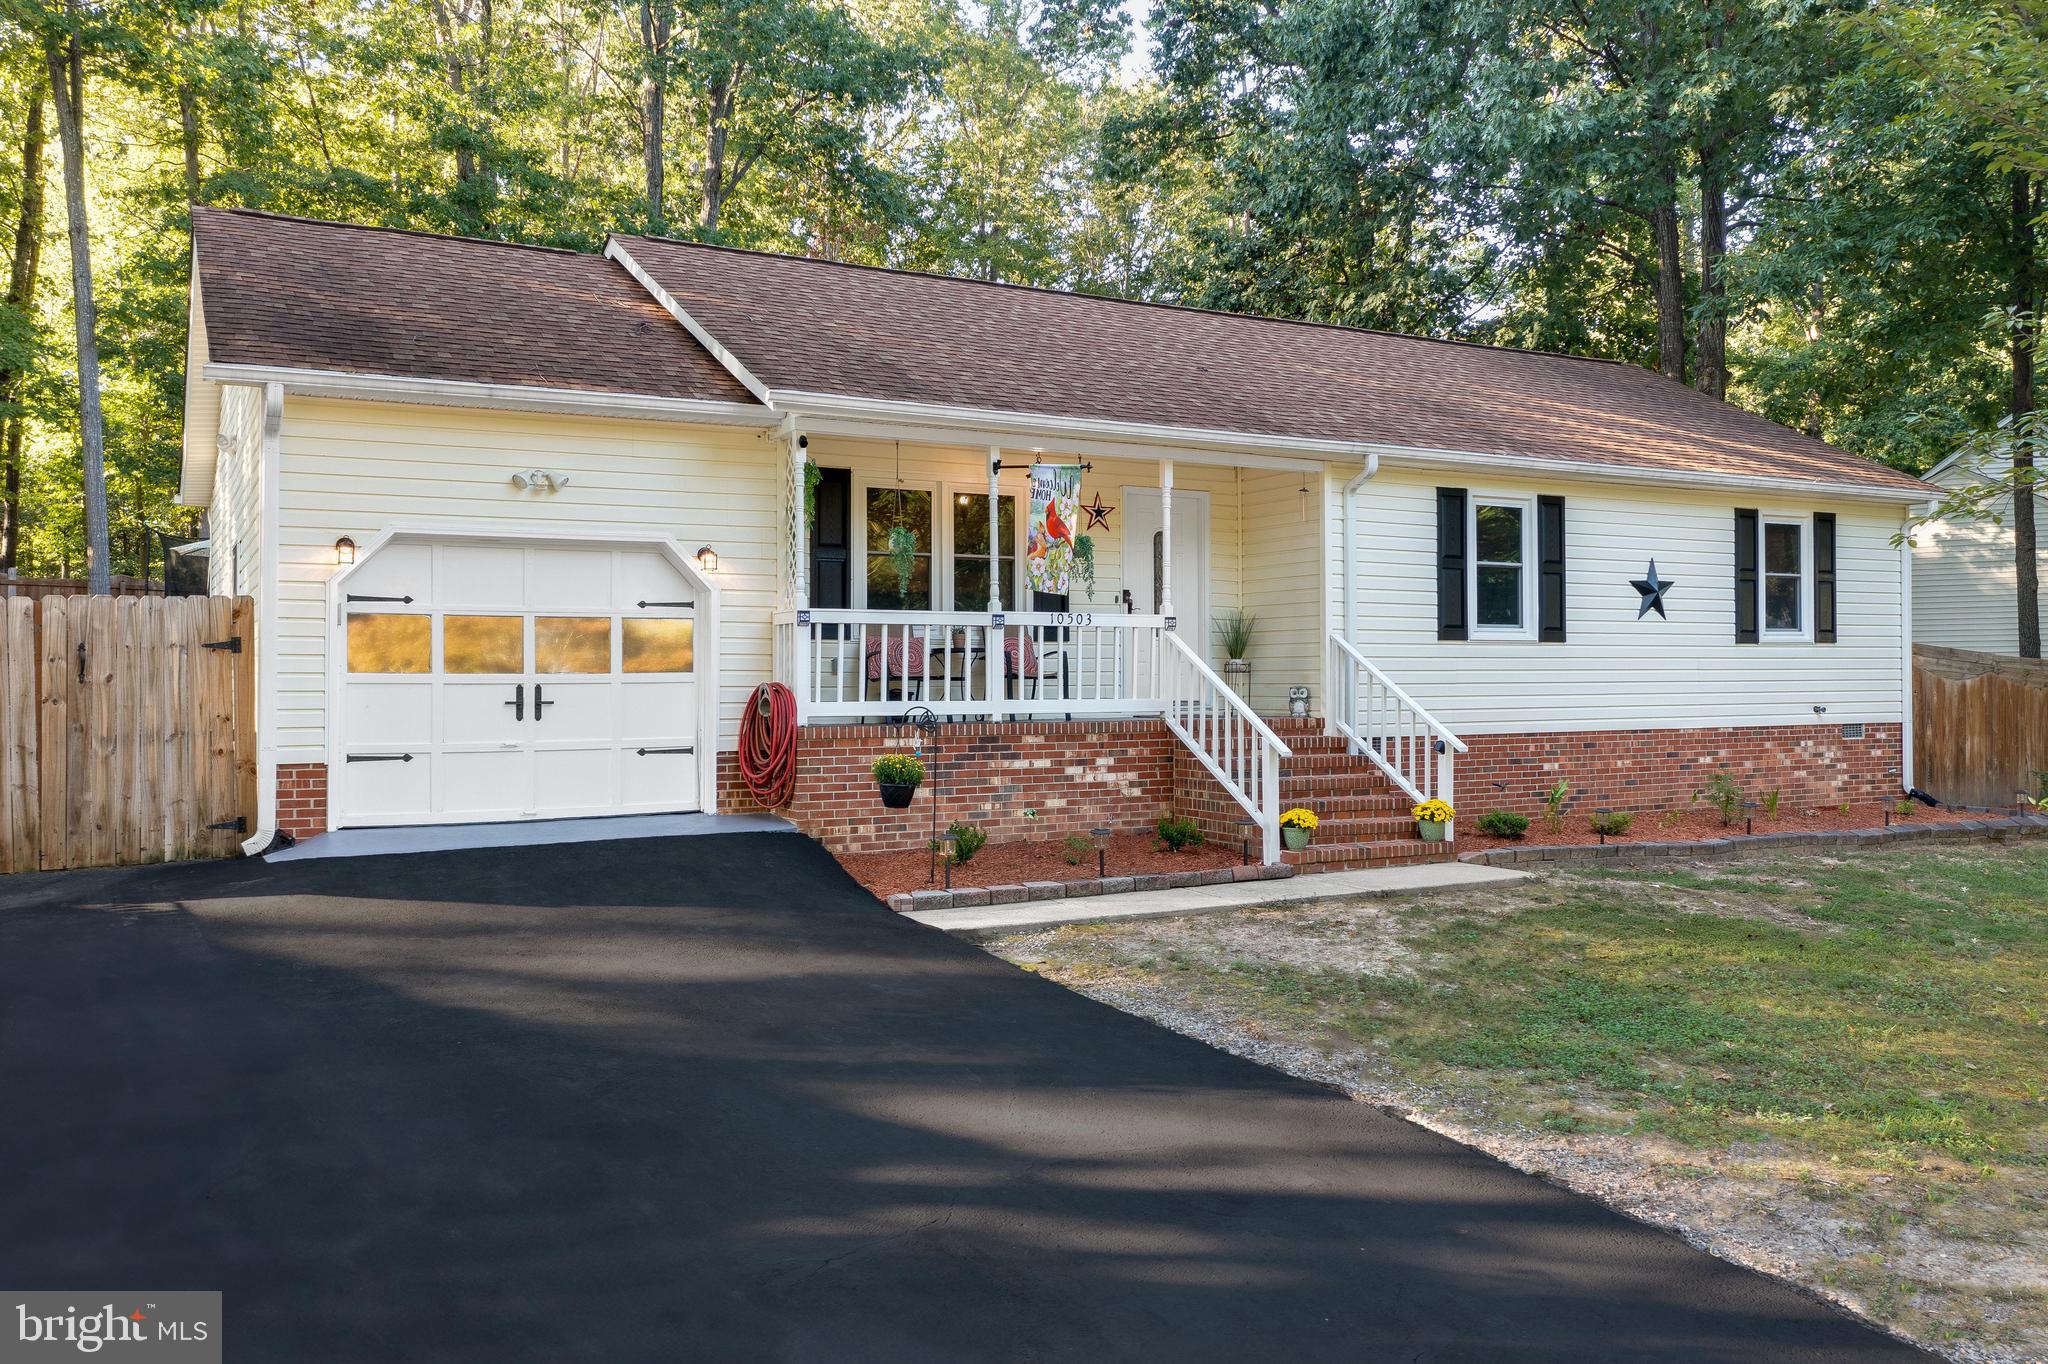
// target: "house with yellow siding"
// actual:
[[538, 534]]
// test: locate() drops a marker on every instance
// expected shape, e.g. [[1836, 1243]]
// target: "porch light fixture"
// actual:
[[344, 552], [707, 559]]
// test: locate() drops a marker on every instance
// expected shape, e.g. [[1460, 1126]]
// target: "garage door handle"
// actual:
[[643, 752], [538, 703], [518, 701], [380, 757]]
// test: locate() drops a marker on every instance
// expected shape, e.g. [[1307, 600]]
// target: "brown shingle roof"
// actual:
[[302, 294], [824, 327]]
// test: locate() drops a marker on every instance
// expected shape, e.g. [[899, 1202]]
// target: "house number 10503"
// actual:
[[1073, 618]]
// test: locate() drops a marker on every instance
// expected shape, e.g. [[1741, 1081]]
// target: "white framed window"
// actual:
[[909, 512], [1501, 590], [966, 548], [1784, 570]]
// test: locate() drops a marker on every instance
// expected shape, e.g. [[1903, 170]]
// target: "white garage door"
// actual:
[[491, 681]]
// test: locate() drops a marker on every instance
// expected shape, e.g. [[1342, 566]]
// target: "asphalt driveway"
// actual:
[[705, 1099]]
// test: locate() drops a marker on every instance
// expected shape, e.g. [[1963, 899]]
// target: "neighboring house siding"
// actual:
[[1615, 672], [1965, 582], [355, 468], [235, 520]]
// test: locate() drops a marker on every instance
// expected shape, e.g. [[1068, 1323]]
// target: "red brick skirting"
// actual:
[[1659, 769], [302, 799], [1017, 781]]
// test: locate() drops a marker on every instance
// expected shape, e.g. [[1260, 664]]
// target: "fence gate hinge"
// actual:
[[233, 644], [239, 824]]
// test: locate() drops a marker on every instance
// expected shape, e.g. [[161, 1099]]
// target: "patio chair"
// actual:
[[906, 667]]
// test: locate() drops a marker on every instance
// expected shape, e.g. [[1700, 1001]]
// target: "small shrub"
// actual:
[[1553, 805], [1077, 848], [1611, 822], [899, 769], [1722, 792], [1902, 807], [1771, 798], [1503, 824], [967, 841], [1177, 832], [1671, 818]]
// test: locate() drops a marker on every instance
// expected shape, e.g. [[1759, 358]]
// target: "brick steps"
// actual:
[[1391, 852]]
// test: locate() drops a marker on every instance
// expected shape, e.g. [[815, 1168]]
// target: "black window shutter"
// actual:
[[1450, 564], [1550, 569], [1745, 576], [1823, 577], [832, 542]]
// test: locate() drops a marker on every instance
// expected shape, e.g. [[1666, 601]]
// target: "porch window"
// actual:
[[908, 513], [1500, 565], [970, 549]]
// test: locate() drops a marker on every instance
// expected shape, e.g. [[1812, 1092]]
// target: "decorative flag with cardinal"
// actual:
[[1049, 545]]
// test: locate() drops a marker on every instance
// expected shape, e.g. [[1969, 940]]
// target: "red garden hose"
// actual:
[[768, 745]]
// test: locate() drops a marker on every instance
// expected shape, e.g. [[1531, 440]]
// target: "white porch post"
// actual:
[[995, 542], [799, 526], [1166, 538]]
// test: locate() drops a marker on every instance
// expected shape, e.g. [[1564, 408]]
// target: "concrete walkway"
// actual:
[[1431, 877]]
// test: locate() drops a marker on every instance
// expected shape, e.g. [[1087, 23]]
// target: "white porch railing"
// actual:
[[1240, 750], [846, 664], [1385, 724]]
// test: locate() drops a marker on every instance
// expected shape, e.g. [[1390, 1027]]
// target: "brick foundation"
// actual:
[[302, 799], [1017, 781], [1659, 769]]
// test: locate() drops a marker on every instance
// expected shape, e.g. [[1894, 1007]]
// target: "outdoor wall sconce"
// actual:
[[707, 559], [344, 552]]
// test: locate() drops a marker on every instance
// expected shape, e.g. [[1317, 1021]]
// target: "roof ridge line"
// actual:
[[272, 215], [1132, 302]]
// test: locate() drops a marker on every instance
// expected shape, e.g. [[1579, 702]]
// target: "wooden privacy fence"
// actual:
[[37, 588], [1980, 725], [127, 730]]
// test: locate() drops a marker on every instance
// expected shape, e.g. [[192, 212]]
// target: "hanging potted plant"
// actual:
[[1084, 563], [897, 776], [1234, 633], [1298, 828], [1434, 818], [903, 556]]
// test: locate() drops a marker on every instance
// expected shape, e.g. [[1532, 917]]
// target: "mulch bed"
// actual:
[[1009, 864], [1694, 825]]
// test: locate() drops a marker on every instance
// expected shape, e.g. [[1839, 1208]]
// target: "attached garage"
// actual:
[[481, 678]]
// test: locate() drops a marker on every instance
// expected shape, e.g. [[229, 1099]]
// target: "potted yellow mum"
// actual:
[[1297, 826], [1434, 817]]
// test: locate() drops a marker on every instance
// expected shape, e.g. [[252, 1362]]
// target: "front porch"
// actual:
[[909, 591]]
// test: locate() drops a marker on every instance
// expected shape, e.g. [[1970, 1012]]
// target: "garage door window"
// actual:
[[572, 644], [390, 644], [483, 644], [659, 646]]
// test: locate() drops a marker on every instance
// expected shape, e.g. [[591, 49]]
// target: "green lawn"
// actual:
[[1880, 1010], [1869, 1035]]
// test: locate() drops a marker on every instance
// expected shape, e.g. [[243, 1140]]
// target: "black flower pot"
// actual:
[[896, 795]]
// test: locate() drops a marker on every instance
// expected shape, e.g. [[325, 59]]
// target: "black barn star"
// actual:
[[1653, 589], [1098, 515]]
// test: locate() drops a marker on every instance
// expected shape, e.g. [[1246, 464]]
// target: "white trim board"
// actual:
[[392, 388]]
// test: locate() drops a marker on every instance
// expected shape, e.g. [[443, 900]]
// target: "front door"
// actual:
[[1144, 550], [518, 682]]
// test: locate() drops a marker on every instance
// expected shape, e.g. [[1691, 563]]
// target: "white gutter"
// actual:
[[266, 643], [391, 388], [1358, 480]]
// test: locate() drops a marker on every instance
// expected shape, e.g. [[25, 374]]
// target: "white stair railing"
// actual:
[[1240, 750], [1386, 725]]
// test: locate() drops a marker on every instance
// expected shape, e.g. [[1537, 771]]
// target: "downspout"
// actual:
[[1906, 773], [1358, 480], [265, 643]]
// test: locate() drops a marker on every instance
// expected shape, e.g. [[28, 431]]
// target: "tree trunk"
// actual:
[[2026, 301], [1710, 366], [67, 86], [654, 39], [1670, 289], [188, 135], [718, 129], [21, 290]]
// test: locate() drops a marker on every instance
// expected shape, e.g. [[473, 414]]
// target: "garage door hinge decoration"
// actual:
[[680, 605], [407, 600], [380, 757]]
